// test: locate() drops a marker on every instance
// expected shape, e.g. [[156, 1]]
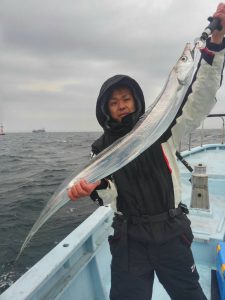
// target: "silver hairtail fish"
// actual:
[[148, 129]]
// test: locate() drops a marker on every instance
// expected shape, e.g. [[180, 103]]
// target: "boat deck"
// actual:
[[80, 264], [159, 292], [207, 224], [208, 227]]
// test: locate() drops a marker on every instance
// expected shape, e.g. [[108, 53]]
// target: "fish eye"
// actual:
[[184, 58]]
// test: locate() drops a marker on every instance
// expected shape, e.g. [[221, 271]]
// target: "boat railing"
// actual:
[[202, 132]]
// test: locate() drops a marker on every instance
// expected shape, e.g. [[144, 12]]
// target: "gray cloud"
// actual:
[[55, 55]]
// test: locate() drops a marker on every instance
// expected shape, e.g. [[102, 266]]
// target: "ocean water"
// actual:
[[32, 166]]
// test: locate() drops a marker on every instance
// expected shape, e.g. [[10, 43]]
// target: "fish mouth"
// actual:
[[192, 51], [189, 50], [198, 45]]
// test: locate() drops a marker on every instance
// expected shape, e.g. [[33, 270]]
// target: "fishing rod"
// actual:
[[213, 25], [184, 162]]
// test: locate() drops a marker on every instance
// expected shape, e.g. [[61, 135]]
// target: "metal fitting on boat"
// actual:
[[200, 194]]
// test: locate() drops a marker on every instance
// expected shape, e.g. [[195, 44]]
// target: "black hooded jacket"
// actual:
[[144, 185]]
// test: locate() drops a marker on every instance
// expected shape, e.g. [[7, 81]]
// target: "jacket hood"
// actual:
[[102, 113]]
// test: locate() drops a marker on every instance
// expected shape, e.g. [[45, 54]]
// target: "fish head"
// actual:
[[185, 65]]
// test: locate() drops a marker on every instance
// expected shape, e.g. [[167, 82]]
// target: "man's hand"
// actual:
[[81, 189], [217, 36]]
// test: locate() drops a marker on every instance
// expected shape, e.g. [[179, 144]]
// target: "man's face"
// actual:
[[121, 103]]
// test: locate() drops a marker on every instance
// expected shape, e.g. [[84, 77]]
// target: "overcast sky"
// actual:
[[55, 55]]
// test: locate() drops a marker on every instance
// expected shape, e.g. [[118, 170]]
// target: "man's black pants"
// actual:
[[172, 262]]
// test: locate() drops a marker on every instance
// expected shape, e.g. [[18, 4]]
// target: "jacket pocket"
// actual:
[[187, 237]]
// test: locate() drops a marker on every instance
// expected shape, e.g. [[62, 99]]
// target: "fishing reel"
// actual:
[[214, 24]]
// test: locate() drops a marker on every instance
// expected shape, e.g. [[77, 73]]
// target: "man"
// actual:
[[152, 233]]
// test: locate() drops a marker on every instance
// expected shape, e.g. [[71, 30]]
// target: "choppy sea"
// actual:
[[32, 166]]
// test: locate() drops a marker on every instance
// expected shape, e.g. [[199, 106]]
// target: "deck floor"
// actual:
[[159, 292], [207, 157]]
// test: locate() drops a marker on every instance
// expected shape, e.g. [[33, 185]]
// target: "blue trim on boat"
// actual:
[[203, 148]]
